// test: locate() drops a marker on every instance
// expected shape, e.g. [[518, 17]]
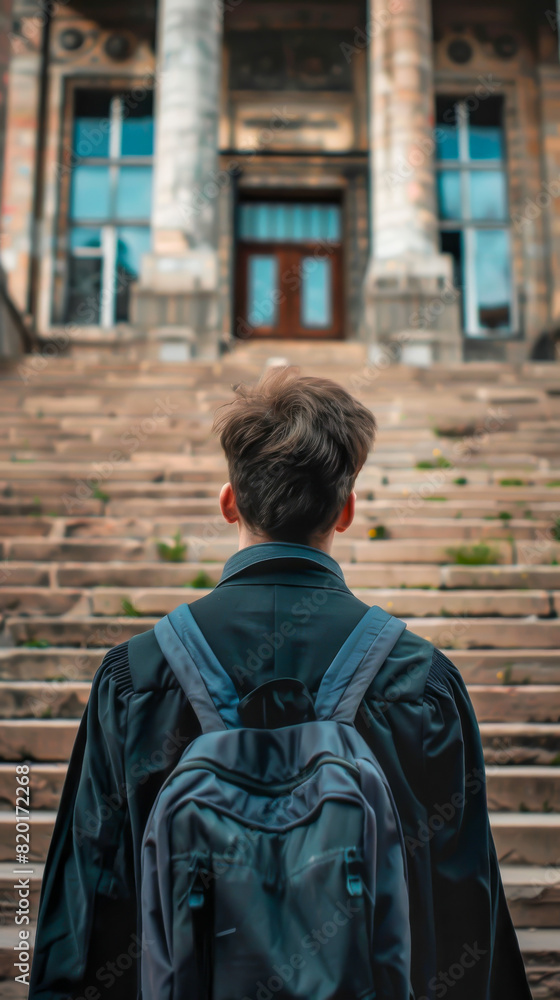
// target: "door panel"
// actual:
[[289, 290]]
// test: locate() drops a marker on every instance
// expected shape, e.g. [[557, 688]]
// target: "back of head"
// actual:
[[294, 446]]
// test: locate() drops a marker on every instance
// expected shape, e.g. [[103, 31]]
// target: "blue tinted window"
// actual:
[[82, 237], [91, 137], [92, 119], [449, 194], [447, 142], [134, 193], [132, 243], [493, 278], [137, 135], [289, 222], [89, 198], [316, 292], [262, 309], [485, 142], [83, 304], [487, 194]]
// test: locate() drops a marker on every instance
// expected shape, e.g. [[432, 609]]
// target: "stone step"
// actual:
[[415, 550], [447, 633], [37, 739], [67, 699], [489, 666], [76, 549], [383, 575], [56, 663], [524, 577], [81, 632], [411, 490], [464, 529], [43, 601], [517, 789], [519, 666], [520, 838], [505, 743], [513, 743], [533, 894], [32, 700], [196, 512], [408, 603], [41, 824], [526, 838], [407, 550], [522, 789], [45, 783], [452, 509], [510, 703], [10, 874]]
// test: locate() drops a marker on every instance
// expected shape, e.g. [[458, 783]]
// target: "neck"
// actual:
[[246, 538]]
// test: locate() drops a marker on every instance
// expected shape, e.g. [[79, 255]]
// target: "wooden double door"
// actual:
[[289, 287]]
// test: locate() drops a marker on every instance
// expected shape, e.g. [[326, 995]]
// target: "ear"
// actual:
[[346, 515], [228, 505]]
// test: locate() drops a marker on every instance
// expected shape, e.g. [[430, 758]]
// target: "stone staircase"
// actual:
[[107, 468]]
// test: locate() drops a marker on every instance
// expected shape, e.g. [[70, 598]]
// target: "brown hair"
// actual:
[[294, 446]]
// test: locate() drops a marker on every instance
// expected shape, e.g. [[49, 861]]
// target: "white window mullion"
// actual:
[[469, 281], [109, 232], [108, 282]]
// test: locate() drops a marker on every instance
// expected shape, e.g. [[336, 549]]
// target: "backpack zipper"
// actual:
[[222, 772]]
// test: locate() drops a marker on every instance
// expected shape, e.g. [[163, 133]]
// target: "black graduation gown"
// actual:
[[417, 716]]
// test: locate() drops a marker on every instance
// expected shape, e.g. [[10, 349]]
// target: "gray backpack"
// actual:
[[273, 861]]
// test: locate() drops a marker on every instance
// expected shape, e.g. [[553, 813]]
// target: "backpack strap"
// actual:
[[207, 685], [356, 664], [183, 666]]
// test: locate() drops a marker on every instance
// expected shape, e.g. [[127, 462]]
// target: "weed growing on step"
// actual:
[[554, 482], [129, 610], [474, 555], [440, 463], [460, 481], [513, 482], [99, 494], [175, 552], [36, 644], [437, 498], [202, 581], [380, 531], [505, 675], [556, 530]]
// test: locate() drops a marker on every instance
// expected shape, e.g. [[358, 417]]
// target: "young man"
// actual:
[[294, 447]]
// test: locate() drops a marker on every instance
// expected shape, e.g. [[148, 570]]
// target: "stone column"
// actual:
[[177, 292], [409, 297]]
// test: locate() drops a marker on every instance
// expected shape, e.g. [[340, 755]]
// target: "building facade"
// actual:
[[183, 174]]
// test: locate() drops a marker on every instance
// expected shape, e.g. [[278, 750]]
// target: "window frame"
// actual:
[[467, 226], [108, 227], [291, 252]]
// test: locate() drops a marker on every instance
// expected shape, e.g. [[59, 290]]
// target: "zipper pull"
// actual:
[[354, 885]]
